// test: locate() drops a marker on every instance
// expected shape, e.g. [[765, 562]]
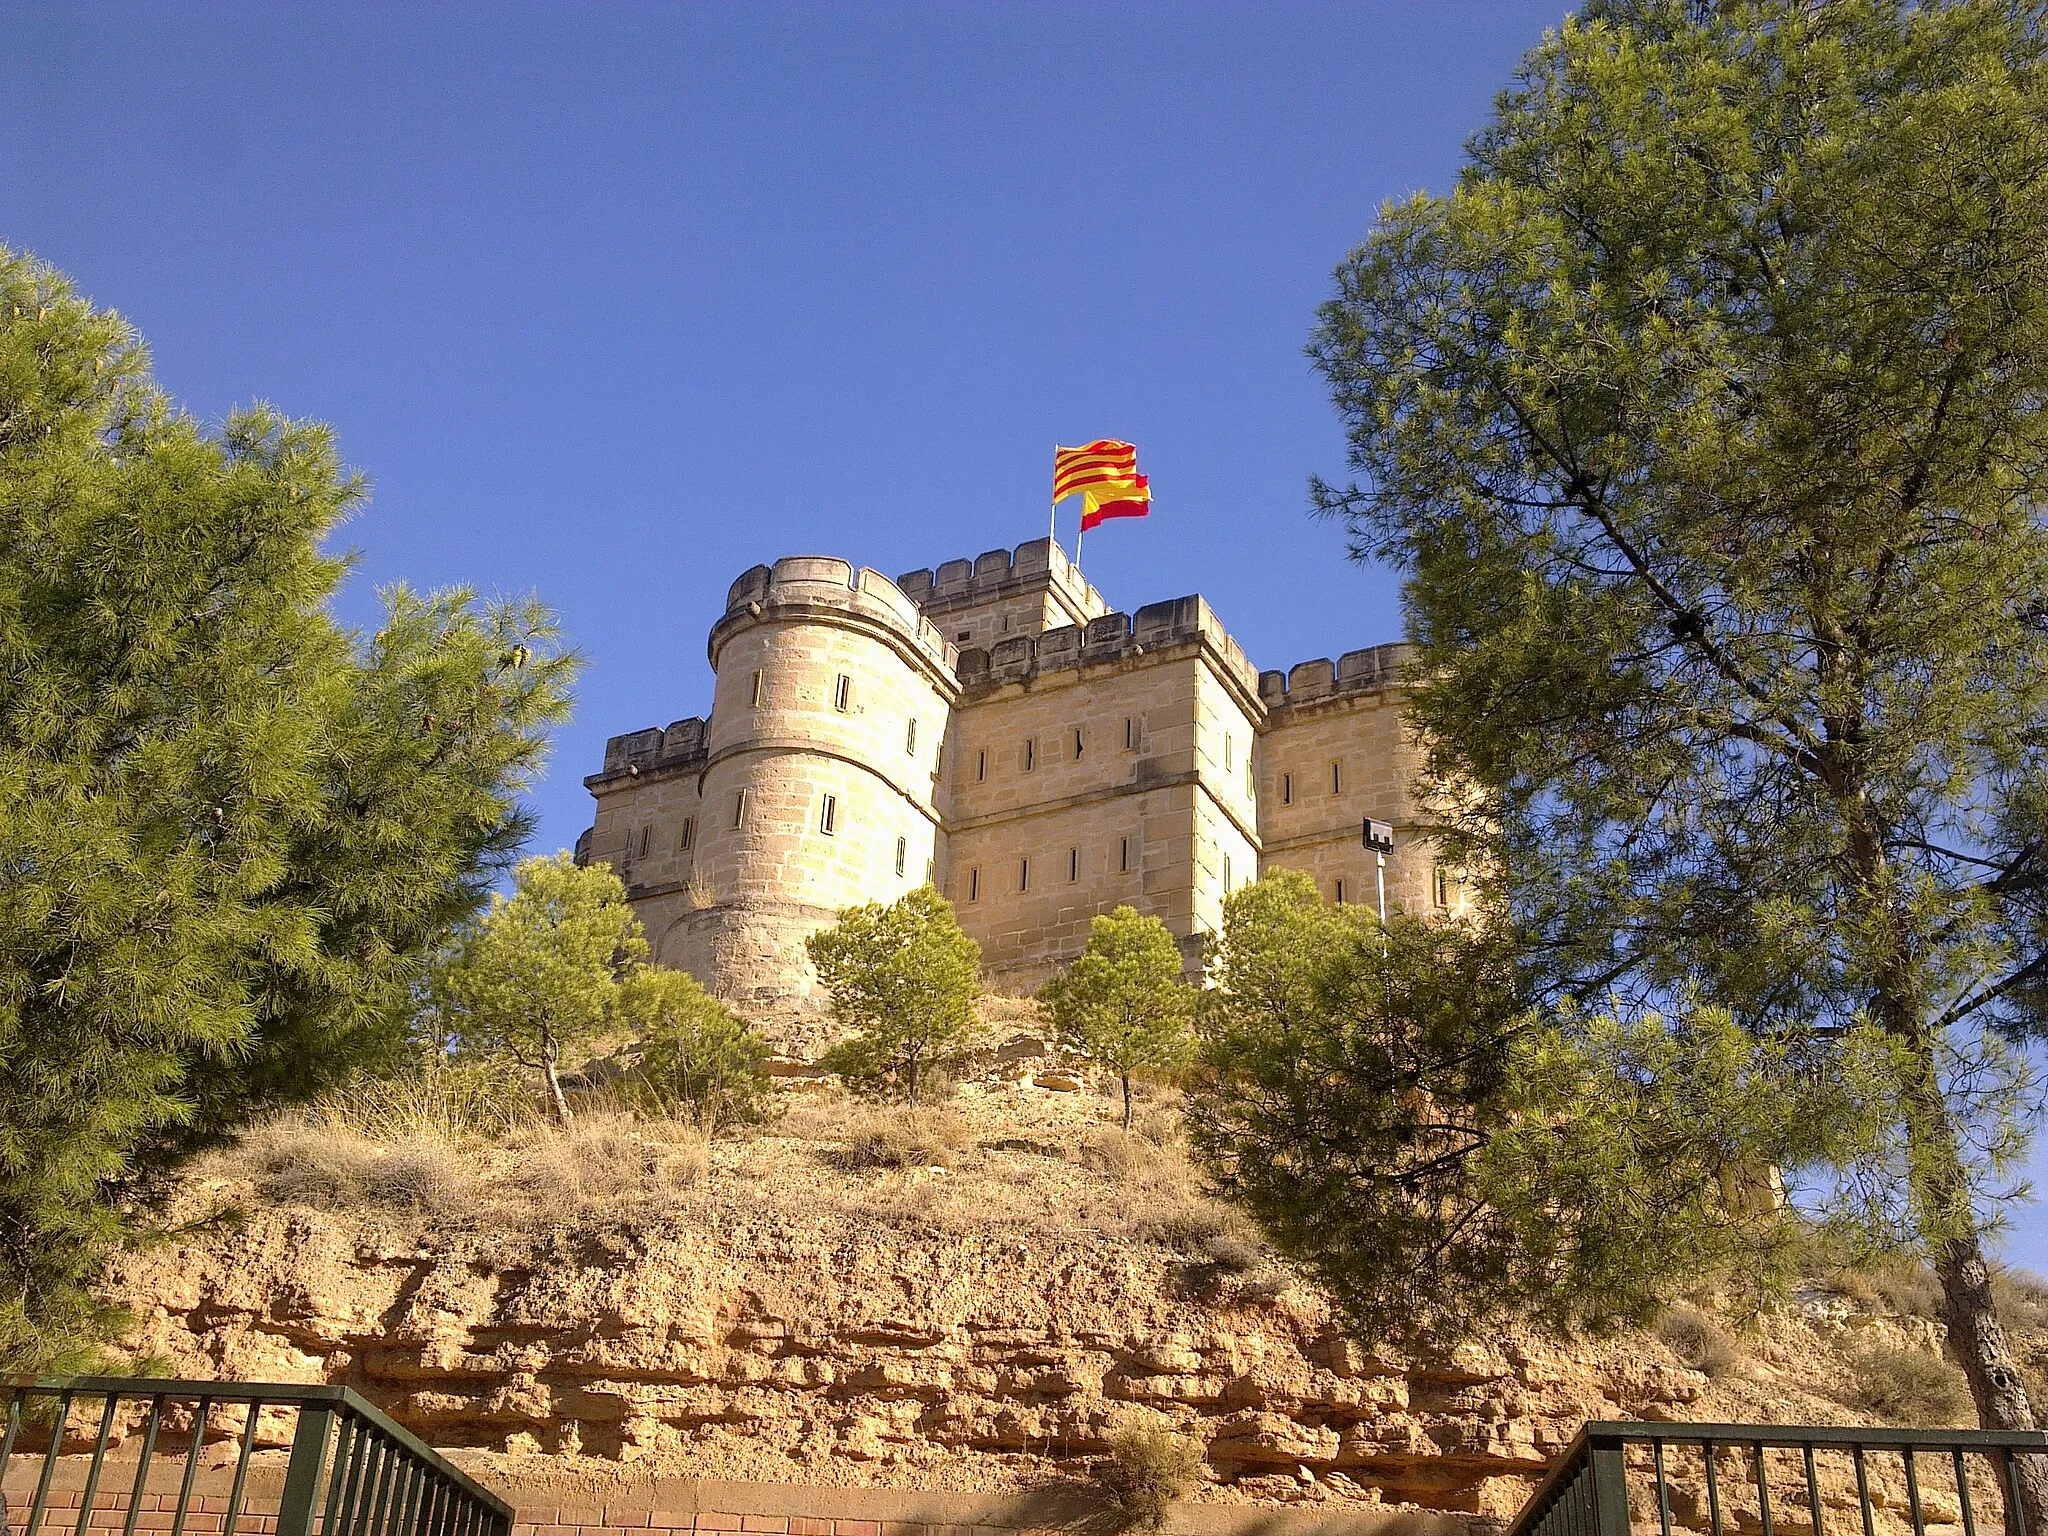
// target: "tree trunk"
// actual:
[[1125, 1080], [1956, 1249], [1974, 1330], [557, 1101], [912, 1082], [1940, 1184]]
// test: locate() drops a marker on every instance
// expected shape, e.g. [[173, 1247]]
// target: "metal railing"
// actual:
[[1714, 1478], [346, 1469]]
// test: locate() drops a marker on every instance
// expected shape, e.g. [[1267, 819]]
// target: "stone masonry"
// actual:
[[995, 728]]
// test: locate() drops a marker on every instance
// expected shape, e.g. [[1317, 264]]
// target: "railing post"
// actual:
[[303, 1472], [1608, 1467]]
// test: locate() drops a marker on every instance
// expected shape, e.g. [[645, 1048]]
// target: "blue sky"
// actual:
[[612, 302]]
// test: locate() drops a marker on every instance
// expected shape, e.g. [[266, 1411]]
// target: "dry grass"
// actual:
[[1003, 1156], [318, 1162], [457, 1103], [1130, 1158], [1907, 1287], [1149, 1466], [905, 1138], [538, 1175], [1699, 1342], [2021, 1297], [601, 1164], [1908, 1386], [1903, 1287], [1016, 1013]]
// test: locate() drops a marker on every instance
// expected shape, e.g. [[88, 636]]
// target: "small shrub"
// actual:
[[1160, 1122], [321, 1163], [605, 1163], [304, 1162], [1906, 1287], [1698, 1341], [1264, 1290], [1220, 1263], [1189, 1228], [697, 1057], [455, 1101], [1138, 1163], [420, 1173], [1855, 1286], [1119, 1154], [907, 1138], [1149, 1466], [2021, 1297], [1229, 1254], [1907, 1386]]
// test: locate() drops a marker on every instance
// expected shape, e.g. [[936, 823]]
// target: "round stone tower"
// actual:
[[820, 783]]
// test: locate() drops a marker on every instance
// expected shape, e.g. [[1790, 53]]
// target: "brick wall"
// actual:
[[661, 1505], [551, 1503]]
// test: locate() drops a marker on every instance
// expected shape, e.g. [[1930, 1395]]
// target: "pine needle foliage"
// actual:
[[696, 1055], [1441, 1156], [1122, 1001], [543, 971], [232, 828], [903, 977], [1351, 1077], [1704, 417]]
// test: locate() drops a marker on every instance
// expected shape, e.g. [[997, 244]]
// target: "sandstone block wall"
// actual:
[[1337, 751], [815, 786]]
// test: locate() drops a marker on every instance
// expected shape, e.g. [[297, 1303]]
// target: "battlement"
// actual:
[[1362, 671], [682, 745], [830, 582], [1156, 626], [1001, 573]]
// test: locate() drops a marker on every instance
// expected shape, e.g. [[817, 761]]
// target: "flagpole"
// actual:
[[1052, 530]]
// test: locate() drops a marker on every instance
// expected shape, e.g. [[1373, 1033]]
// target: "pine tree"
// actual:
[[228, 845], [1349, 1076], [904, 978], [1440, 1156], [1123, 1001], [544, 970], [1703, 417]]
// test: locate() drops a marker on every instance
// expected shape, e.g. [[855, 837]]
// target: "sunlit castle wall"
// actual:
[[991, 725]]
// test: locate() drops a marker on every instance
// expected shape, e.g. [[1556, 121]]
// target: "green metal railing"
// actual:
[[1714, 1478], [348, 1470]]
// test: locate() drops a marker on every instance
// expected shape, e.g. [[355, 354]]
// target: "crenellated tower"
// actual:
[[814, 785]]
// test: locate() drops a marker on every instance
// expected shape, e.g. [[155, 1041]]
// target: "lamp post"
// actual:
[[1379, 837]]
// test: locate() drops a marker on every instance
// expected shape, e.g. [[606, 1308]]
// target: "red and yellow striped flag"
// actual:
[[1123, 498], [1106, 462]]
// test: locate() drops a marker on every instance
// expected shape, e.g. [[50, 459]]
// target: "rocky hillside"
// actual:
[[968, 1299]]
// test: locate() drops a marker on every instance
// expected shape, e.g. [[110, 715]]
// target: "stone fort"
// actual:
[[995, 728]]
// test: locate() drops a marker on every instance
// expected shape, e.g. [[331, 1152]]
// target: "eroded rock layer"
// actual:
[[771, 1346]]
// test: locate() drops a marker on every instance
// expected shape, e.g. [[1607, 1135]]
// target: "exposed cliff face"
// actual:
[[790, 1318]]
